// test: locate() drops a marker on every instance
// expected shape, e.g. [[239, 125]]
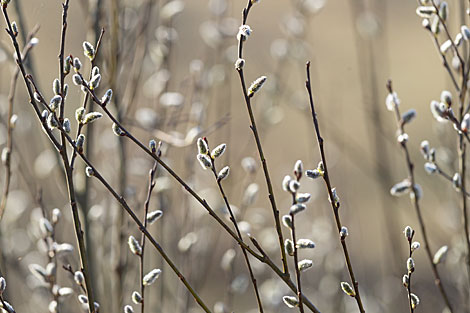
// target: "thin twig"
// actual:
[[239, 234], [410, 167], [296, 257], [334, 205], [151, 185], [259, 147]]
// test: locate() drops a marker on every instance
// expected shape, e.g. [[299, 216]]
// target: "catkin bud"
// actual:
[[91, 117], [313, 173], [128, 309], [415, 246], [410, 265], [425, 11], [409, 233], [290, 301], [285, 182], [90, 172], [66, 125], [95, 81], [457, 181], [202, 146], [107, 97], [446, 97], [406, 280], [79, 278], [204, 160], [79, 113], [408, 116], [88, 50], [52, 307], [391, 101], [414, 301], [289, 247], [465, 32], [51, 122], [118, 130], [287, 221], [335, 196], [151, 277], [56, 214], [56, 87], [302, 197], [153, 216], [305, 244], [67, 64], [294, 186], [239, 64], [77, 80], [95, 71], [297, 208], [6, 153], [14, 27], [243, 32], [343, 233], [425, 149], [136, 297], [218, 151], [256, 85], [401, 188], [55, 103], [3, 285], [305, 265], [430, 168], [37, 97], [298, 169], [445, 46], [440, 255], [79, 142], [347, 289], [134, 246], [465, 123], [77, 65], [223, 173], [444, 11]]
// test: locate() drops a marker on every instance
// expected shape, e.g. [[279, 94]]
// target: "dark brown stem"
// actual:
[[296, 260], [334, 205], [239, 234], [259, 147], [410, 252], [410, 167], [151, 185]]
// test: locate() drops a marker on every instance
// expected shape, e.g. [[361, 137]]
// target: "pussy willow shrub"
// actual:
[[131, 190]]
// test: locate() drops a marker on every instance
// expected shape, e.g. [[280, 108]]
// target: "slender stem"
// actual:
[[237, 229], [259, 147], [151, 185], [9, 146], [296, 258], [334, 205], [410, 167], [410, 252]]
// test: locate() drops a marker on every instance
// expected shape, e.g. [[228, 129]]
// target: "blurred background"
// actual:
[[170, 65]]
